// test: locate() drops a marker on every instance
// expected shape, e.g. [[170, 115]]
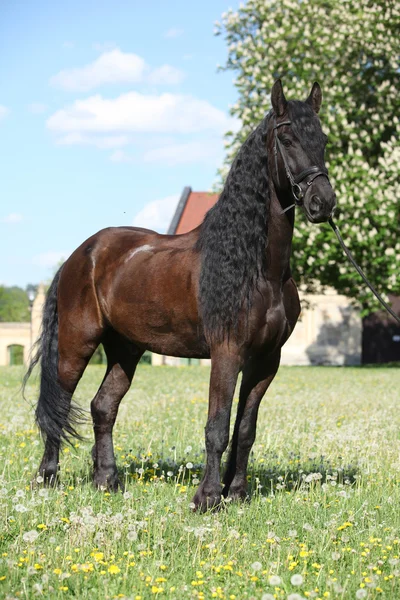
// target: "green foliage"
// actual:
[[99, 356], [146, 358], [14, 305], [352, 49]]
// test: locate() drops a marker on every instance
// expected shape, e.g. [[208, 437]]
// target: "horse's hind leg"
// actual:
[[55, 413], [64, 351], [122, 359], [257, 376]]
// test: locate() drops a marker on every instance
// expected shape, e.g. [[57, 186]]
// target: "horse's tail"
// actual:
[[55, 416]]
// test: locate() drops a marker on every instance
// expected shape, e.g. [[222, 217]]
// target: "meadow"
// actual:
[[322, 520]]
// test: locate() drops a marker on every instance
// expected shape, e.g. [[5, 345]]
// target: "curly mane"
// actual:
[[233, 239]]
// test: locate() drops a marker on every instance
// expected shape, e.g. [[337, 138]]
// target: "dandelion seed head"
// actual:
[[30, 536], [296, 579]]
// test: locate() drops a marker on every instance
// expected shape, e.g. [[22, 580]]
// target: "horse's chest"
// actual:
[[278, 320], [273, 332]]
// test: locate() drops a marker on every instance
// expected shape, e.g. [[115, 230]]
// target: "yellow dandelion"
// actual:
[[114, 570]]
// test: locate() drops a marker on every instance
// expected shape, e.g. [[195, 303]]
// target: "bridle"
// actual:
[[298, 194], [309, 174]]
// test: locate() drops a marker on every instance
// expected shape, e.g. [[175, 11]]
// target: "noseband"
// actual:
[[309, 174]]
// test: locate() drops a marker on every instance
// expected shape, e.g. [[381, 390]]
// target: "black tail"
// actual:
[[55, 415]]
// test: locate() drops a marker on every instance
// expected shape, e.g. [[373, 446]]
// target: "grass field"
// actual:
[[323, 520]]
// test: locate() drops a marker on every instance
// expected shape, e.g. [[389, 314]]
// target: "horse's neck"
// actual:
[[280, 234]]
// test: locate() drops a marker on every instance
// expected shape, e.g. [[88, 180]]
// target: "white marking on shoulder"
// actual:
[[144, 248]]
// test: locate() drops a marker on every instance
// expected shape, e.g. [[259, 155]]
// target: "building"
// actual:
[[329, 331], [16, 339]]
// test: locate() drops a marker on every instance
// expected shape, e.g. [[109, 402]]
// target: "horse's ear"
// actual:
[[278, 100], [315, 97]]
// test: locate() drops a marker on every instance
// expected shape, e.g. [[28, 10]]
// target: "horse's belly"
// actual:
[[176, 346], [162, 331]]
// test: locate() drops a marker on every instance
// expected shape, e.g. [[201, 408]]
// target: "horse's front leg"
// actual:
[[258, 373], [224, 372]]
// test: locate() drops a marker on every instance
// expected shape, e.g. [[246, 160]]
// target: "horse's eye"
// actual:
[[286, 142]]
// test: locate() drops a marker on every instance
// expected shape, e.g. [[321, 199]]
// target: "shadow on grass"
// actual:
[[388, 365], [262, 477]]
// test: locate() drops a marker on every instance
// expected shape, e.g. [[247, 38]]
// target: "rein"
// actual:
[[360, 271]]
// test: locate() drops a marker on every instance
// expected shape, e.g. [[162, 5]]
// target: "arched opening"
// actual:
[[15, 354]]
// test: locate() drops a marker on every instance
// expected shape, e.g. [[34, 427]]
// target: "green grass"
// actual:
[[324, 485]]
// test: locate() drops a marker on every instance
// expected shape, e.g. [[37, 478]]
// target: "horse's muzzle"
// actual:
[[320, 208]]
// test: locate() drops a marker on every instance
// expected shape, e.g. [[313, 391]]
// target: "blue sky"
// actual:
[[107, 110]]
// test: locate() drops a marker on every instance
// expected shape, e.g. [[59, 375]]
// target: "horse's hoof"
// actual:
[[236, 492], [108, 483], [205, 500], [238, 495], [46, 476]]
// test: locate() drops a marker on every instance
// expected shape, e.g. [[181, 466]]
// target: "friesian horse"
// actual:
[[223, 290]]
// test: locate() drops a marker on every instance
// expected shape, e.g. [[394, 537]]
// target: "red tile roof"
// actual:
[[191, 210], [196, 207]]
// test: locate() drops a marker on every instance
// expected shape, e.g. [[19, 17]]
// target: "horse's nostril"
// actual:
[[315, 204]]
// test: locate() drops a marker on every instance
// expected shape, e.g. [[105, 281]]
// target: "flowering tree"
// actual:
[[352, 49]]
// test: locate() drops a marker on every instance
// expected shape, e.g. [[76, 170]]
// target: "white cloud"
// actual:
[[173, 32], [207, 150], [166, 113], [105, 142], [3, 111], [49, 259], [157, 215], [37, 108], [165, 75], [114, 66], [111, 67], [12, 218]]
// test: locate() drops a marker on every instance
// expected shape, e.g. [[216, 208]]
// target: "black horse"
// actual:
[[223, 291]]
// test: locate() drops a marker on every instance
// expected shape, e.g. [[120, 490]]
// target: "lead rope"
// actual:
[[360, 271]]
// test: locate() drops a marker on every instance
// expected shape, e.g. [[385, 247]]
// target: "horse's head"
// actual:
[[298, 164]]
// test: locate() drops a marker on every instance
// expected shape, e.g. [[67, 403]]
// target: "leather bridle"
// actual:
[[309, 174]]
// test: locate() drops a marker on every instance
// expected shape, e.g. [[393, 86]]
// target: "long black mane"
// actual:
[[233, 238]]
